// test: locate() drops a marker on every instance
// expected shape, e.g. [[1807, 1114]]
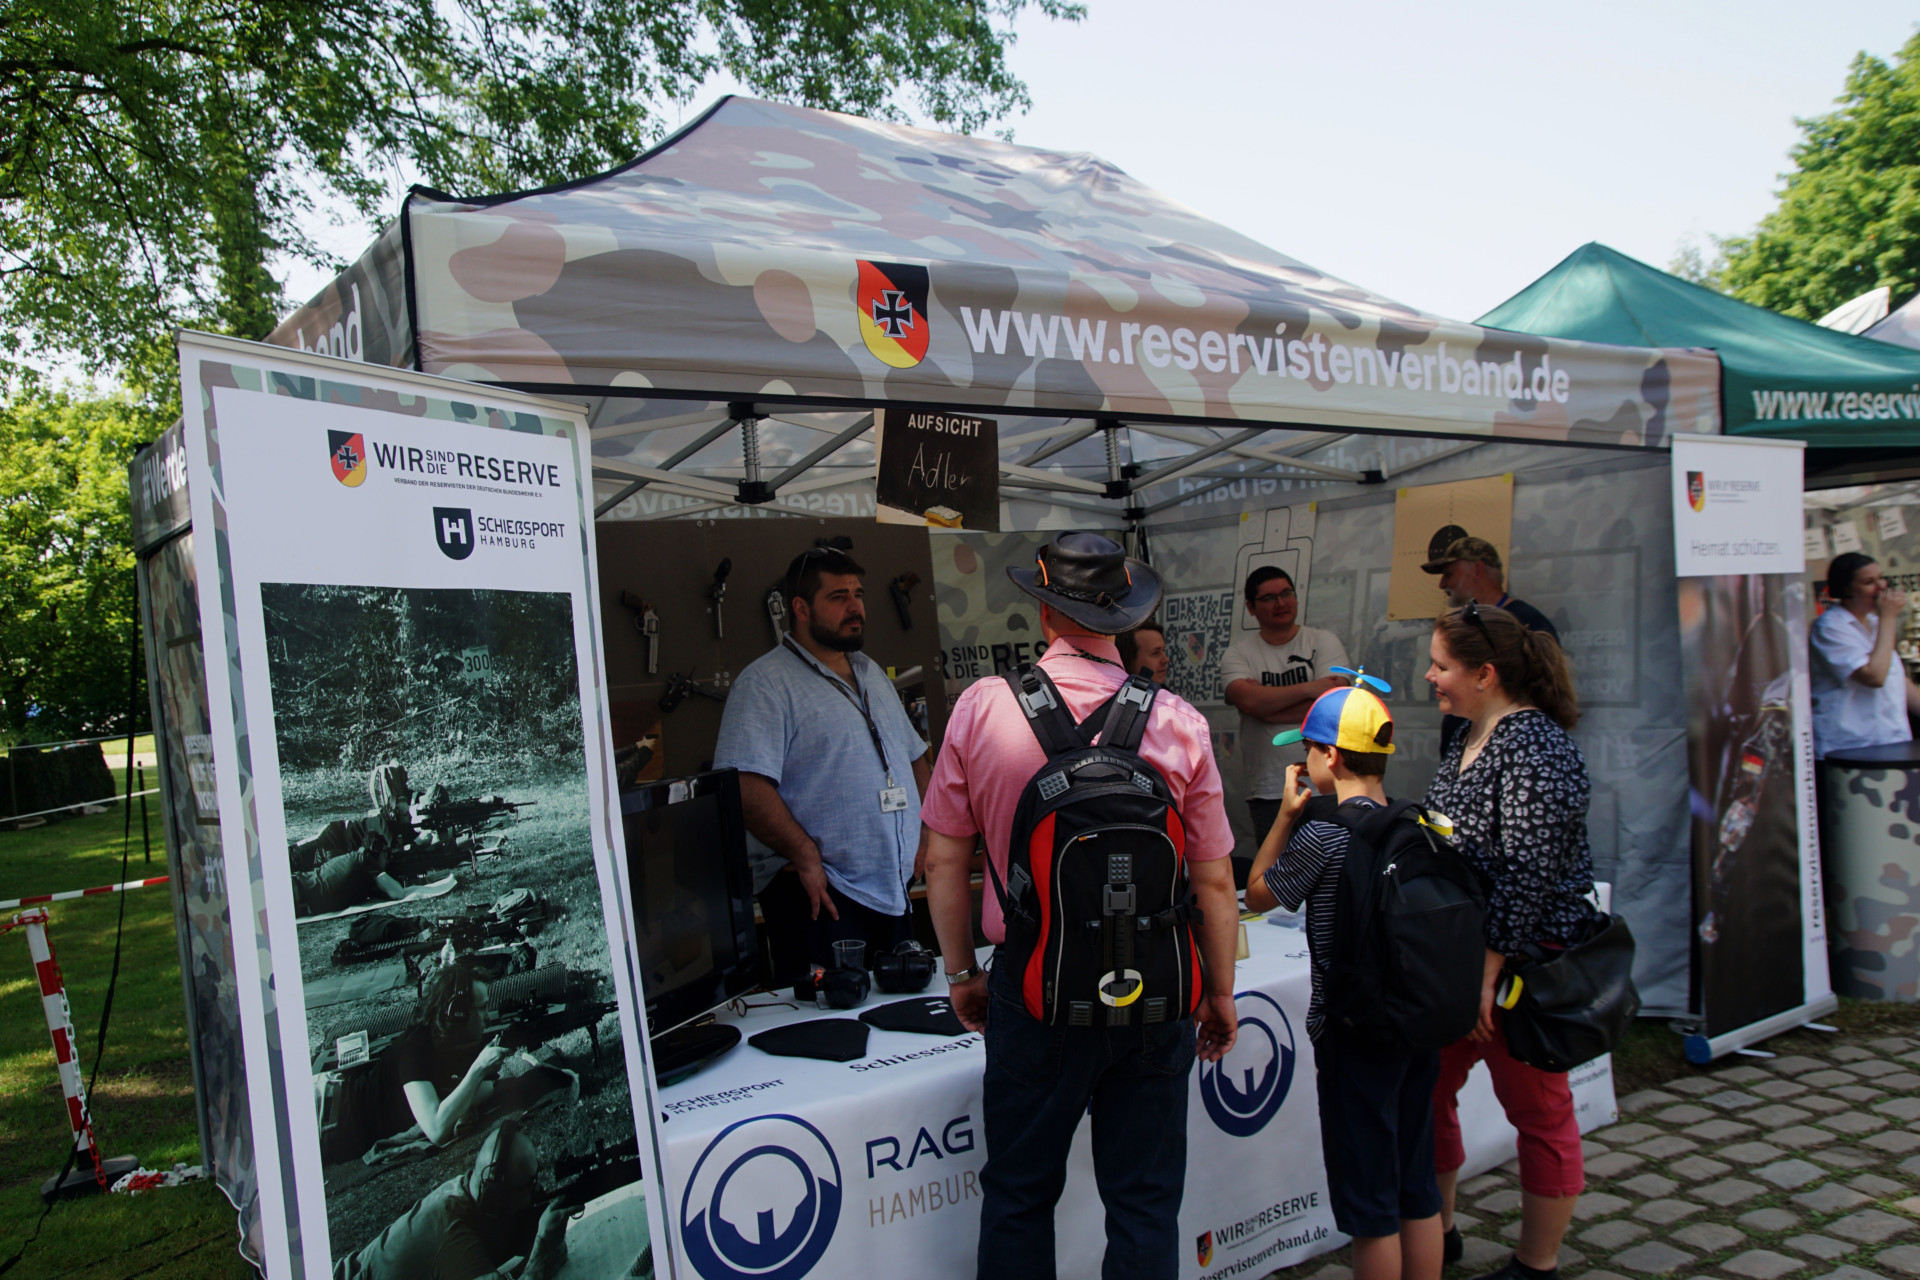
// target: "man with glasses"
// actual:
[[1271, 678], [831, 773]]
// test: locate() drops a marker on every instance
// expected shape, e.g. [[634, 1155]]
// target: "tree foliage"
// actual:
[[157, 156], [67, 600], [1849, 216]]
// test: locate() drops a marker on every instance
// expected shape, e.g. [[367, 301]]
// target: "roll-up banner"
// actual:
[[366, 532], [1759, 928]]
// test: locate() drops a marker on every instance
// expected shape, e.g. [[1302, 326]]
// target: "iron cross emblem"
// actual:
[[893, 314]]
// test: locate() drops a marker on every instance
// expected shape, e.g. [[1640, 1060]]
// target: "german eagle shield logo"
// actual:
[[1203, 1248], [1697, 490], [892, 302], [349, 455]]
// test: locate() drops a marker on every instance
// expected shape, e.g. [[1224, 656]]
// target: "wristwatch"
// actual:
[[967, 974]]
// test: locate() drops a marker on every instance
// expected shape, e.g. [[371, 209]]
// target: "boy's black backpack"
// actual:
[[1098, 914], [1409, 954]]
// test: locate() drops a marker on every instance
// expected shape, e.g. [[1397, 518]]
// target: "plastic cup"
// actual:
[[850, 954]]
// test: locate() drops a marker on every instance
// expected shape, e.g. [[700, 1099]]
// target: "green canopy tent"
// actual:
[[1779, 376]]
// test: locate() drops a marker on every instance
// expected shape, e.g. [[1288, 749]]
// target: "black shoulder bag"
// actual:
[[1567, 1007]]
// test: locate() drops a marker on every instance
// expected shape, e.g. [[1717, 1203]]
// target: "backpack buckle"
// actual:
[[1133, 693], [1037, 699], [1117, 900]]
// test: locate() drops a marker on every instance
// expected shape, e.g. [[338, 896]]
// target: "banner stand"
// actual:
[[1759, 936], [1702, 1049]]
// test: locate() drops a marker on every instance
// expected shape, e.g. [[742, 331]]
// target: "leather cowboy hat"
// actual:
[[1089, 578]]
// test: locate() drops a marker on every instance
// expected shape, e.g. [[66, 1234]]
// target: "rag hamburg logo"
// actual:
[[349, 454], [892, 302], [762, 1201], [453, 530], [1263, 1060], [1697, 490]]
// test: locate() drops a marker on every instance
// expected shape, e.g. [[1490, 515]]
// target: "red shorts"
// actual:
[[1538, 1103]]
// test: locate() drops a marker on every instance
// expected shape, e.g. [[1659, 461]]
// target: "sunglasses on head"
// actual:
[[1472, 614]]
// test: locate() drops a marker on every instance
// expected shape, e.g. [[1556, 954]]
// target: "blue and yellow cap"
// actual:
[[1352, 719]]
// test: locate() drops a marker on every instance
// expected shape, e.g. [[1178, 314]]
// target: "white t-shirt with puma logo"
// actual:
[[1302, 659]]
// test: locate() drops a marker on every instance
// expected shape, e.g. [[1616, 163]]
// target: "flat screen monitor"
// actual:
[[692, 895]]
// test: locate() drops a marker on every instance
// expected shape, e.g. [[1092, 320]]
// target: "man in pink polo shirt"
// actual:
[[1041, 1079]]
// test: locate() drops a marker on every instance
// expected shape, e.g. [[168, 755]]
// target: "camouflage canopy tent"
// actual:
[[734, 304], [768, 263]]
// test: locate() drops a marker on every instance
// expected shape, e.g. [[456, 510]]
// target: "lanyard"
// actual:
[[860, 705]]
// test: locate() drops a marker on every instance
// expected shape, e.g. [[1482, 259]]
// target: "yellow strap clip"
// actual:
[[1112, 979]]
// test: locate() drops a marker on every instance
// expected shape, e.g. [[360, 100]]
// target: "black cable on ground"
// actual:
[[113, 978]]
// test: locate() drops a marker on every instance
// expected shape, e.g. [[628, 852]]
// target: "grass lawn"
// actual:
[[143, 1104]]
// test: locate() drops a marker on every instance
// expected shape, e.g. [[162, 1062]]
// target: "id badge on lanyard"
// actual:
[[893, 796]]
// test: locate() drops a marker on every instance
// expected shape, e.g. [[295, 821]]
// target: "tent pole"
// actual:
[[858, 429], [1060, 442], [1198, 455], [679, 456]]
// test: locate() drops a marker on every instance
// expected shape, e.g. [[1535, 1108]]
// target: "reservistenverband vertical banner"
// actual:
[[1759, 922], [444, 1049]]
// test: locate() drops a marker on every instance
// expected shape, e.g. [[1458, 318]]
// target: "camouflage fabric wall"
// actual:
[[1871, 824], [775, 251], [197, 870]]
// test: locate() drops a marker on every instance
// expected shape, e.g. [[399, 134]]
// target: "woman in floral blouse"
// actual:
[[1516, 788]]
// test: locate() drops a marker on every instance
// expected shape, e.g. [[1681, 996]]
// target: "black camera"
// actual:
[[904, 970], [839, 988]]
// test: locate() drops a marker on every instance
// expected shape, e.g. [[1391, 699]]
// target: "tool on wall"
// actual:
[[777, 613], [679, 686], [718, 594], [901, 589], [648, 623]]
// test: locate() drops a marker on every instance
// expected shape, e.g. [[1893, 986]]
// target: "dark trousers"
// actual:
[[797, 941], [1263, 813], [1040, 1081]]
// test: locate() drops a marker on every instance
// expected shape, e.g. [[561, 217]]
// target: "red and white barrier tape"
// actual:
[[66, 1055], [71, 894]]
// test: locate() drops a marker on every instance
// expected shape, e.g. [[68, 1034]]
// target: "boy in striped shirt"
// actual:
[[1376, 1106]]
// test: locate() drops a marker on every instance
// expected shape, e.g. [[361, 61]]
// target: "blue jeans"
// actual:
[[1040, 1081]]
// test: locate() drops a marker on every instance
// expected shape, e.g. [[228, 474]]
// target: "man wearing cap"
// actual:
[[1040, 1079], [1271, 678], [1469, 569]]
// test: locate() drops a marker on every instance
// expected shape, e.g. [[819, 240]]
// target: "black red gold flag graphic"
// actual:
[[1697, 490], [892, 302], [349, 454]]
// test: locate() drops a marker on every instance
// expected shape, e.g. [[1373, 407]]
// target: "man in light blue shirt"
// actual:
[[1861, 693], [831, 773]]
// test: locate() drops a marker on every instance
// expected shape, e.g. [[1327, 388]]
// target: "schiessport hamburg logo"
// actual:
[[762, 1202], [1262, 1060], [349, 455], [892, 302], [1697, 490]]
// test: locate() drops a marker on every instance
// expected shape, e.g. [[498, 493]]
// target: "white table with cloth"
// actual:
[[783, 1167]]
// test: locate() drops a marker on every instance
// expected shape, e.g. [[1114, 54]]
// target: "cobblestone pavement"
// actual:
[[1800, 1167]]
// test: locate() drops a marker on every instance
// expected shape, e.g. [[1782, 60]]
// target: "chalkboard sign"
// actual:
[[937, 469]]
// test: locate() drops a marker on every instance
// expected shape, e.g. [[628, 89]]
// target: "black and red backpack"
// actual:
[[1099, 915]]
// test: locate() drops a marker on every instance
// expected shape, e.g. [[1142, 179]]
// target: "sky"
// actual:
[[1444, 155]]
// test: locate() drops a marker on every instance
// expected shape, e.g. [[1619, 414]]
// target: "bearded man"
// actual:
[[831, 773]]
